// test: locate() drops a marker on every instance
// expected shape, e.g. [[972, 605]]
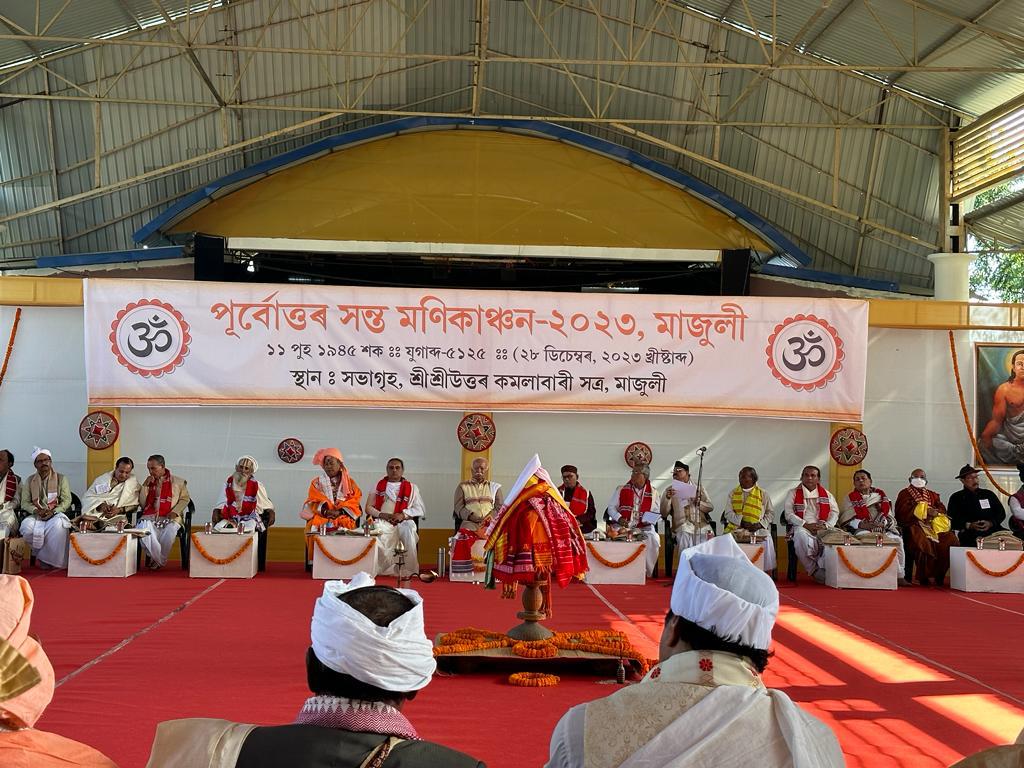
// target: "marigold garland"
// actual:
[[338, 560], [997, 574], [866, 574], [221, 560], [535, 649], [533, 680], [10, 344], [608, 563], [757, 556], [101, 561]]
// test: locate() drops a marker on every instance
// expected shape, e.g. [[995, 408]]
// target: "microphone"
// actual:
[[702, 449]]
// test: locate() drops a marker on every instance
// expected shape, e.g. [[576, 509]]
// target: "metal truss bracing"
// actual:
[[831, 120]]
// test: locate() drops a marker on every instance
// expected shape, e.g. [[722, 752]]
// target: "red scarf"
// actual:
[[248, 500], [627, 497], [860, 509], [404, 494], [824, 507], [578, 503], [11, 486], [159, 502]]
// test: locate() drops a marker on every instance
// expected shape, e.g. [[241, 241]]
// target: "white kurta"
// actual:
[[808, 548], [8, 515], [251, 522], [649, 535], [405, 531], [48, 538], [105, 491], [891, 533]]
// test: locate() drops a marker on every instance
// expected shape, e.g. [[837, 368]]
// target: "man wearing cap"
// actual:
[[690, 518], [579, 499], [975, 512], [46, 496], [627, 507], [111, 494], [922, 517], [397, 506], [369, 656], [163, 499], [10, 495], [810, 509], [476, 500], [704, 703], [333, 497], [750, 509], [244, 503]]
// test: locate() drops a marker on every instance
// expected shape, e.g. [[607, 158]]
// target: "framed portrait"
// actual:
[[999, 403]]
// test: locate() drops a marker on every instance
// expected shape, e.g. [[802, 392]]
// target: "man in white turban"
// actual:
[[369, 656], [47, 497], [704, 703], [244, 502]]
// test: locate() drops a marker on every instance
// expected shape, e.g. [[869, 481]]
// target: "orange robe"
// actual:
[[340, 513], [30, 748]]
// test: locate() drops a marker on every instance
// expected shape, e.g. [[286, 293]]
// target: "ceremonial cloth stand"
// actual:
[[866, 559], [634, 572], [237, 551], [99, 546], [476, 576], [356, 553], [1005, 570], [756, 553]]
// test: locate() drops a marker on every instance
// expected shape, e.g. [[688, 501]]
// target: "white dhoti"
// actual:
[[8, 521], [653, 541], [691, 538], [769, 551], [48, 538], [808, 549], [390, 535], [160, 540]]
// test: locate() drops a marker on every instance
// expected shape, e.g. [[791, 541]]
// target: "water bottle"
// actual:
[[620, 673], [979, 543], [209, 527], [239, 528], [442, 561], [1002, 545], [878, 539]]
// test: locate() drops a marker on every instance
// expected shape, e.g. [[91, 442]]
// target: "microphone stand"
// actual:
[[700, 472]]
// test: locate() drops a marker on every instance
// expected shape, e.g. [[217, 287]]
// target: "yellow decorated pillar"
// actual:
[[98, 462], [468, 457], [840, 476]]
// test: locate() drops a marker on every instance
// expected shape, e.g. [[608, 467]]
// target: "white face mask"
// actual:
[[918, 482]]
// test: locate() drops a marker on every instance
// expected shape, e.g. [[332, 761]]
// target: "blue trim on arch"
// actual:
[[833, 278], [706, 192], [111, 257]]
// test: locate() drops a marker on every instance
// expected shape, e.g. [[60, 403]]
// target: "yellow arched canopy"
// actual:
[[470, 186]]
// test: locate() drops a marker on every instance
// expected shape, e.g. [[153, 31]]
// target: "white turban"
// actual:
[[719, 589], [255, 464], [37, 452], [398, 657]]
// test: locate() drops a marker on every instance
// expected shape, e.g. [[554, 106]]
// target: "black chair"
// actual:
[[261, 542], [791, 561], [72, 512], [185, 535]]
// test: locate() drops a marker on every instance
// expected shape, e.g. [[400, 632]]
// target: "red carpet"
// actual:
[[914, 678]]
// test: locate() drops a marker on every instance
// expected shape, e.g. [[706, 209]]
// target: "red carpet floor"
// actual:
[[914, 678]]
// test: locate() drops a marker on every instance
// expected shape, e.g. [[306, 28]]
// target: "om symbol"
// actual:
[[153, 333], [808, 350]]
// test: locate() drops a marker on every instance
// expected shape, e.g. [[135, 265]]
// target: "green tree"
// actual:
[[997, 275]]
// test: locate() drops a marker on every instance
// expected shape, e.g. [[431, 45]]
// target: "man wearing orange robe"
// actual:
[[920, 513], [333, 497]]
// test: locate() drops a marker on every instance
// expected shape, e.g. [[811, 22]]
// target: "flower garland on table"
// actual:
[[469, 639], [340, 561], [610, 564], [867, 574], [997, 574], [221, 560], [533, 680], [101, 561], [535, 649], [757, 556], [10, 344]]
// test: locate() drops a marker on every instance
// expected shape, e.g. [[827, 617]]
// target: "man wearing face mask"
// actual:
[[975, 512], [922, 515]]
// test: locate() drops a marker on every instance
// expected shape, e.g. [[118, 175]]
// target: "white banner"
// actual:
[[162, 342]]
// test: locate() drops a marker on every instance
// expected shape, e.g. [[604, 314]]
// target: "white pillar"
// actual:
[[951, 282]]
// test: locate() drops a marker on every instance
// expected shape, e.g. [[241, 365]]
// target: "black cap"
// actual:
[[681, 465], [966, 470]]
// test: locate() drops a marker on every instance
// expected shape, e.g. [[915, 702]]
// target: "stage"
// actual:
[[917, 677]]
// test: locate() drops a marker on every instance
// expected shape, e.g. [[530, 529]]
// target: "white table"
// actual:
[[223, 546], [617, 552], [99, 546], [756, 553], [864, 558], [357, 553], [966, 576]]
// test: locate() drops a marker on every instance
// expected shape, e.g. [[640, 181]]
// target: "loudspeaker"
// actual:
[[208, 253], [735, 273]]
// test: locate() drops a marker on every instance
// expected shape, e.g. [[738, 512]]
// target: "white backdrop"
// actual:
[[912, 419]]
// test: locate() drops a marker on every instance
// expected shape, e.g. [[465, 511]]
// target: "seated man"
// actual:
[[333, 497], [691, 519], [244, 503], [975, 512], [810, 509], [579, 499], [627, 507], [369, 657], [704, 703], [163, 499], [867, 514], [1016, 504], [750, 509], [922, 516], [111, 495], [10, 495], [396, 505], [476, 500], [46, 496], [27, 689]]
